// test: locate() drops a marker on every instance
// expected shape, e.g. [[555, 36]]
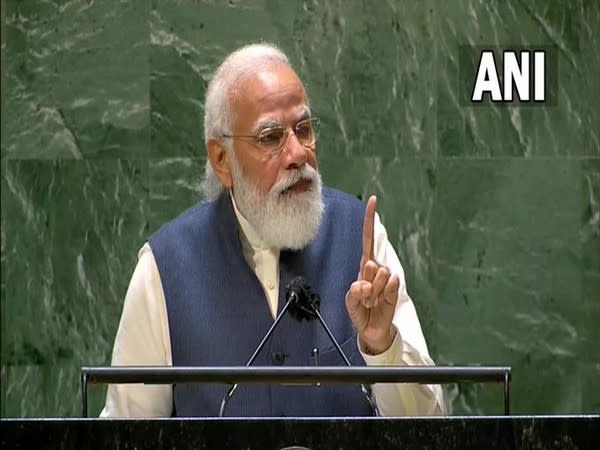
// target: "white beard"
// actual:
[[286, 220]]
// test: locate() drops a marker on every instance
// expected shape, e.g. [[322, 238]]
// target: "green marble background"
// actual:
[[494, 211]]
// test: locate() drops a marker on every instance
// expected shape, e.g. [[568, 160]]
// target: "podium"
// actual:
[[439, 433], [382, 433]]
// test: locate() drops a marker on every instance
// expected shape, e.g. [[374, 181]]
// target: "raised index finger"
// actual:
[[368, 230]]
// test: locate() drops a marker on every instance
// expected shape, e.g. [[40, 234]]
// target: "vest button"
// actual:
[[278, 358]]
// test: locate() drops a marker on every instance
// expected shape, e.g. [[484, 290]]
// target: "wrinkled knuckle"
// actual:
[[372, 264], [383, 272]]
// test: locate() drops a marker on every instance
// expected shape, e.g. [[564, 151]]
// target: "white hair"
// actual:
[[217, 109]]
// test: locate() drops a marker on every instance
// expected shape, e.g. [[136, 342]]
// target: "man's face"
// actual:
[[273, 95], [279, 195]]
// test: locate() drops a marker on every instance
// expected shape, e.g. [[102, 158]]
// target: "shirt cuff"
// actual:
[[391, 357]]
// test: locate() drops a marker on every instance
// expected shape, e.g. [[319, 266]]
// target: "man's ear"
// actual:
[[219, 160]]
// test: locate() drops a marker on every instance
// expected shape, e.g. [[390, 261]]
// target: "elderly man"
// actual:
[[208, 284]]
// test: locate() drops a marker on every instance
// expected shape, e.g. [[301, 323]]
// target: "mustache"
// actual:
[[306, 173]]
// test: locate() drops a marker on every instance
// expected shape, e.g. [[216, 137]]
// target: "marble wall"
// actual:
[[494, 210]]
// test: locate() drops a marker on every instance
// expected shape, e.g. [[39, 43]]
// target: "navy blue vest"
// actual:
[[218, 312]]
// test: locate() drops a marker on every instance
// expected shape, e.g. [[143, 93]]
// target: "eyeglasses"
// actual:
[[273, 140]]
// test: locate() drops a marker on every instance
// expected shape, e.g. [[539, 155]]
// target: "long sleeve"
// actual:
[[142, 339], [408, 348]]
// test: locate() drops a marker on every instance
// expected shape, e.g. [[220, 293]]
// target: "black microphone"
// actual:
[[296, 301], [305, 305], [304, 301]]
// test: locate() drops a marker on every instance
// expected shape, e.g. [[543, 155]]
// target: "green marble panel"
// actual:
[[356, 176], [590, 239], [77, 79], [174, 187], [508, 276], [590, 392], [2, 61], [590, 68], [489, 131], [183, 56], [47, 390], [73, 229], [4, 320], [373, 98], [371, 75]]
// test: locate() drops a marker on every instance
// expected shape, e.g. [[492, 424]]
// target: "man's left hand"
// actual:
[[371, 300]]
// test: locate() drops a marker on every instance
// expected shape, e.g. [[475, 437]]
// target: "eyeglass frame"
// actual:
[[289, 130]]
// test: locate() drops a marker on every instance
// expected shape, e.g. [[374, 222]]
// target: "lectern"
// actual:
[[382, 433]]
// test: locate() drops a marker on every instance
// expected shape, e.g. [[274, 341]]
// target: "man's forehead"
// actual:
[[273, 119], [269, 91], [276, 75]]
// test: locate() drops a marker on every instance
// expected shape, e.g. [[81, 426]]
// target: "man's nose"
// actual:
[[294, 153]]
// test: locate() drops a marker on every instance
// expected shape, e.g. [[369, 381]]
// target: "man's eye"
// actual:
[[270, 137], [303, 130]]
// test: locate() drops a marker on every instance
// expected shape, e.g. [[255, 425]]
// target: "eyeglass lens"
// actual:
[[276, 137]]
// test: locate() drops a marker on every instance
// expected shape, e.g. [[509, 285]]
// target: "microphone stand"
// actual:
[[293, 298]]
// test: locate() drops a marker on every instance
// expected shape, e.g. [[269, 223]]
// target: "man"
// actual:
[[208, 284]]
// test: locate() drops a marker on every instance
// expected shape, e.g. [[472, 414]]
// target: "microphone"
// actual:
[[305, 306], [304, 301]]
